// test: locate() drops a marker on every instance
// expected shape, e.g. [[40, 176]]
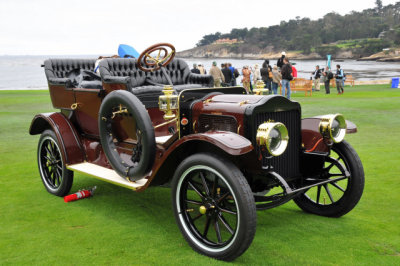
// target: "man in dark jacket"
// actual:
[[280, 63], [195, 69], [227, 74], [235, 74], [316, 76], [264, 72], [339, 79], [286, 72], [328, 76]]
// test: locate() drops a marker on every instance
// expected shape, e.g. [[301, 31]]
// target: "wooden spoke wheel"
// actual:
[[156, 56], [214, 206]]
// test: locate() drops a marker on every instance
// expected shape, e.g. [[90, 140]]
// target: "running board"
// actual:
[[106, 174]]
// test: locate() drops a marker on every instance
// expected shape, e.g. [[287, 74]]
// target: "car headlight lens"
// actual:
[[333, 127], [273, 136]]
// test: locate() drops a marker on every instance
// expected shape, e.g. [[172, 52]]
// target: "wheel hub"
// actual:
[[203, 209], [52, 162], [208, 206]]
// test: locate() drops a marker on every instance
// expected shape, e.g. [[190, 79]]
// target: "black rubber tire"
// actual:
[[246, 219], [143, 122], [61, 183], [353, 192]]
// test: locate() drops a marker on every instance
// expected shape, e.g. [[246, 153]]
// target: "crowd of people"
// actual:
[[326, 76], [274, 76]]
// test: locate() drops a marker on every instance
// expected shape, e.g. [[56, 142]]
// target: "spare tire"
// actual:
[[135, 170]]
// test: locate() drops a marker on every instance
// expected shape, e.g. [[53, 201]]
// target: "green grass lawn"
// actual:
[[121, 227]]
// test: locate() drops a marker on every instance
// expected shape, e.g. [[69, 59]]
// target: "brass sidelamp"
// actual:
[[168, 103], [333, 127]]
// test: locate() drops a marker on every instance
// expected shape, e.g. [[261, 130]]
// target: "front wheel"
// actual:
[[56, 178], [337, 198], [214, 206]]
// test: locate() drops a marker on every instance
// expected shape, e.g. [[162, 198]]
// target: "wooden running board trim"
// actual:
[[106, 174]]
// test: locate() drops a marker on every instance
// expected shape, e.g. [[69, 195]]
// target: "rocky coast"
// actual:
[[219, 51]]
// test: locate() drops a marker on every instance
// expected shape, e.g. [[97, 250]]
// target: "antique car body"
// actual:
[[117, 127]]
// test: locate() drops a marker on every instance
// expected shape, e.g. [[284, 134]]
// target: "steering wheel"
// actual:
[[148, 62]]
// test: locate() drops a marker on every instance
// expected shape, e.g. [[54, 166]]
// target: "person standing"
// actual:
[[201, 69], [235, 74], [265, 74], [246, 78], [286, 72], [339, 79], [276, 79], [227, 75], [195, 69], [328, 76], [216, 73], [256, 74], [280, 62], [316, 76], [294, 71]]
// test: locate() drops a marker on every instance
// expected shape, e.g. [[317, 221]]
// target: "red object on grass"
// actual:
[[79, 195]]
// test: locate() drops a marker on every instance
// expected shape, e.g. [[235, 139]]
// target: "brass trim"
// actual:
[[165, 102], [202, 209], [260, 88], [74, 106], [120, 111], [325, 127], [102, 179], [207, 101], [194, 126], [263, 137], [165, 123], [238, 129], [244, 102]]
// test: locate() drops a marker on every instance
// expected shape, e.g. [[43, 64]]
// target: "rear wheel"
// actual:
[[337, 198], [56, 178], [214, 206]]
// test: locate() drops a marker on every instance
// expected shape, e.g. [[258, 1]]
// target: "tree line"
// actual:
[[315, 35]]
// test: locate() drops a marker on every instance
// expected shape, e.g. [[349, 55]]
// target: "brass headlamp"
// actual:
[[333, 127], [273, 136], [260, 88], [168, 102]]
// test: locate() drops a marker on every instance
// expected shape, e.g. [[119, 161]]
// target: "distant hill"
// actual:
[[355, 35]]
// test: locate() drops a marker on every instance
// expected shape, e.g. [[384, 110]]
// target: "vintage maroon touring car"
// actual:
[[225, 154]]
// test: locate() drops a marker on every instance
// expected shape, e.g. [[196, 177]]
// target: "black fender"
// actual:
[[67, 136]]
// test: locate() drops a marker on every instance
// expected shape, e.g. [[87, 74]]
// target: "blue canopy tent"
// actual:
[[126, 51]]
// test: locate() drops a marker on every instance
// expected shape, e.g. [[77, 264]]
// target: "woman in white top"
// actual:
[[256, 74]]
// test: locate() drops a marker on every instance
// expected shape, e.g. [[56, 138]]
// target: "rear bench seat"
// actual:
[[148, 86], [72, 73]]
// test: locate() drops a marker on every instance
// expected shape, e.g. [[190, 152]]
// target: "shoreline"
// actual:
[[356, 83], [303, 57]]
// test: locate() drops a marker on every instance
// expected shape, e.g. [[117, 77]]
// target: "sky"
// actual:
[[74, 27]]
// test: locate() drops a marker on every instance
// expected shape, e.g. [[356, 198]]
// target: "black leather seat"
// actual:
[[148, 86], [73, 73]]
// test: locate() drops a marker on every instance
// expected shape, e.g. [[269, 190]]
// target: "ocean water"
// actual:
[[25, 72]]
